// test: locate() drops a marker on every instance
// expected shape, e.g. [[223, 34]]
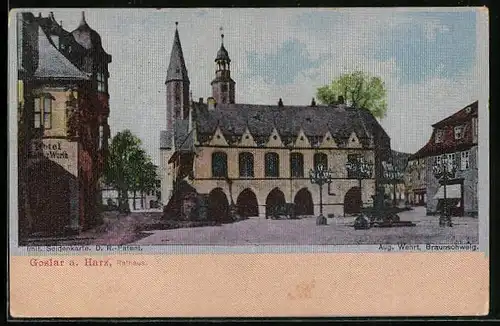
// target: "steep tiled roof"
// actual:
[[233, 119], [52, 63], [462, 115], [183, 140], [432, 148], [177, 67]]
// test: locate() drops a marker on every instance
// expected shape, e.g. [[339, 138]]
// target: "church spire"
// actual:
[[177, 67]]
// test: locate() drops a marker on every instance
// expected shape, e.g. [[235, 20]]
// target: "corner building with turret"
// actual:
[[220, 157]]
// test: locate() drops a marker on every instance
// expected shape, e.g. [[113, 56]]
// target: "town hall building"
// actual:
[[253, 159]]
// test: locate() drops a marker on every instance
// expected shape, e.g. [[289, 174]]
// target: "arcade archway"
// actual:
[[247, 204], [218, 206], [303, 202], [275, 201], [352, 201]]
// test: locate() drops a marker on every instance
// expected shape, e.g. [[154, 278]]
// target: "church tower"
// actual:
[[223, 86], [177, 84], [177, 87]]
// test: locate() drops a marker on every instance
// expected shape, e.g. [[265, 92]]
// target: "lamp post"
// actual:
[[359, 169], [444, 171], [320, 175]]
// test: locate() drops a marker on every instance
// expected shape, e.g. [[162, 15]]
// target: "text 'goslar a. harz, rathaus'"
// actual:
[[63, 104], [220, 157]]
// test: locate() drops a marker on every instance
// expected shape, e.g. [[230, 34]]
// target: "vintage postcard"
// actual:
[[163, 146]]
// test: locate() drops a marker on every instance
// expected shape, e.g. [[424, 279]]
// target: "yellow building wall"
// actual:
[[59, 117], [262, 186]]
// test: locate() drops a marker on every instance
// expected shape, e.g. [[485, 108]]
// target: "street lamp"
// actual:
[[359, 169], [320, 175], [443, 172]]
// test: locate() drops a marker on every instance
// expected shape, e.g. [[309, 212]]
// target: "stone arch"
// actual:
[[352, 201], [218, 205], [303, 202], [247, 203], [275, 200]]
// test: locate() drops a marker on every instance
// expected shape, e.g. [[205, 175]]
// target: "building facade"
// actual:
[[415, 176], [63, 129], [456, 139], [396, 179], [257, 158]]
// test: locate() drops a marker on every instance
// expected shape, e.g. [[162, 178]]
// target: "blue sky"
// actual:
[[428, 60]]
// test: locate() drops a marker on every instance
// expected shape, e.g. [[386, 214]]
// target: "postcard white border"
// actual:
[[482, 49]]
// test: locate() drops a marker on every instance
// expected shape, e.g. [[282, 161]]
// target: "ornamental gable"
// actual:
[[301, 140], [274, 139], [353, 141], [328, 141], [218, 139], [247, 139]]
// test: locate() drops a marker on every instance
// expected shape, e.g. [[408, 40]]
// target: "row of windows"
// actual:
[[458, 133], [271, 164], [454, 159]]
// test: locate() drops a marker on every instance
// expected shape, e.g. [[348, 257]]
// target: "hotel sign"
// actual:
[[62, 152]]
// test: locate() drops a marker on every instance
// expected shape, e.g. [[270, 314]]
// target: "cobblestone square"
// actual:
[[339, 231]]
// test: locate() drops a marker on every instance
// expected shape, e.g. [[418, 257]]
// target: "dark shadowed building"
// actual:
[[63, 124]]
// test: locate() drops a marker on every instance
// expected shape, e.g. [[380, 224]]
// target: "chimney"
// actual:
[[200, 100], [280, 102], [211, 103], [313, 102], [340, 99]]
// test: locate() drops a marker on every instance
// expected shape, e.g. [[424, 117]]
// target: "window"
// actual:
[[439, 136], [464, 160], [451, 160], [219, 165], [43, 112], [101, 136], [459, 132], [297, 165], [320, 159], [438, 160], [246, 165], [272, 165], [101, 82]]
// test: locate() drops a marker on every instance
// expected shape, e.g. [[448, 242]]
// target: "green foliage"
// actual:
[[359, 90], [128, 167]]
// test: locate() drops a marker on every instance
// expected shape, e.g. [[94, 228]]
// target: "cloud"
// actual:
[[427, 60], [282, 67]]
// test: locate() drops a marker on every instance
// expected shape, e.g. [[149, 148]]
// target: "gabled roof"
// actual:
[[177, 67], [462, 115], [52, 63]]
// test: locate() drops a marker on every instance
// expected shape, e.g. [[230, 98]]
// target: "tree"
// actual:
[[359, 90], [128, 167]]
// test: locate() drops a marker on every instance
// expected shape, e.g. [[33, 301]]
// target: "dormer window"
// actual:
[[439, 136], [101, 82], [459, 132]]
